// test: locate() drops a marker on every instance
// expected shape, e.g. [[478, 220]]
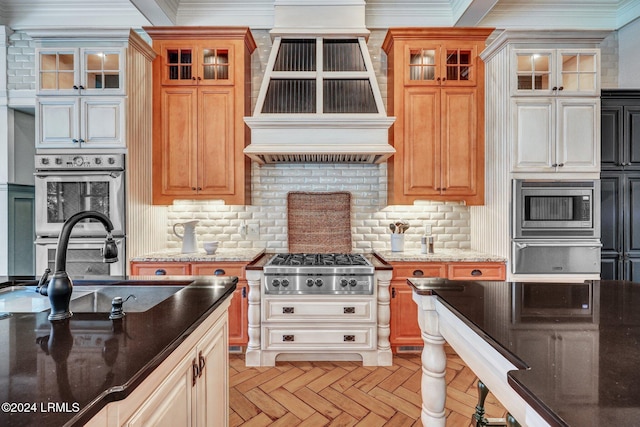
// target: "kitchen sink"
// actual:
[[91, 298]]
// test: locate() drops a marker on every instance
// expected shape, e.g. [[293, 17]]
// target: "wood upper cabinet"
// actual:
[[436, 93], [201, 94]]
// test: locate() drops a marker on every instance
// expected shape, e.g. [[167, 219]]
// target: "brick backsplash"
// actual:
[[21, 64], [370, 217]]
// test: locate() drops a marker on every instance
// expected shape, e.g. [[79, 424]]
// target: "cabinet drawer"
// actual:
[[326, 309], [318, 337], [159, 269], [428, 269], [217, 269], [476, 271]]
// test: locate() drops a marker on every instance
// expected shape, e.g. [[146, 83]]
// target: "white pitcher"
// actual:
[[189, 242]]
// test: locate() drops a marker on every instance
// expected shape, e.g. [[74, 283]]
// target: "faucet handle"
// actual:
[[44, 279]]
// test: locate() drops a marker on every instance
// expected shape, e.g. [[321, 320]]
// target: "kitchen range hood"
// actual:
[[319, 100]]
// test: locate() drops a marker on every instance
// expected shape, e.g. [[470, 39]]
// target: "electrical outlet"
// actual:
[[427, 229], [253, 229]]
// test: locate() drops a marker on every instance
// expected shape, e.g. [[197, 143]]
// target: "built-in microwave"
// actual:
[[556, 209]]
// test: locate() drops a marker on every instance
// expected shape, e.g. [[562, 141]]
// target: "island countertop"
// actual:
[[64, 372], [576, 344]]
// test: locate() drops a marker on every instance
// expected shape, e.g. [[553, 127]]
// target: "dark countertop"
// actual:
[[88, 361], [581, 342]]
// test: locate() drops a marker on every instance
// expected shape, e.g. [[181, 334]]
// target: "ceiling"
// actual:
[[534, 14]]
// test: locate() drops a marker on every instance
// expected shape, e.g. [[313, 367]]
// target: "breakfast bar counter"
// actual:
[[558, 354]]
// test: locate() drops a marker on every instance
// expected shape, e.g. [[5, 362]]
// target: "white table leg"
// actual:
[[434, 363]]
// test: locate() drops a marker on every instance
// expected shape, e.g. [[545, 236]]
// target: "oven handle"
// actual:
[[594, 245], [110, 173]]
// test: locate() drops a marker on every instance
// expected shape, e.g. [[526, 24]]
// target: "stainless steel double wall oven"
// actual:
[[556, 227], [71, 183]]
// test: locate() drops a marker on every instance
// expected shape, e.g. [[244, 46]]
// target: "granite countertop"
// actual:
[[221, 255], [87, 361], [580, 342], [440, 255]]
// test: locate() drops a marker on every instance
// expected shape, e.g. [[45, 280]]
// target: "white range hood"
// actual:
[[319, 100]]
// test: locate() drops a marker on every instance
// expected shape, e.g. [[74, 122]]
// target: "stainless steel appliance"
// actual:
[[70, 183], [556, 227], [84, 256], [342, 274], [556, 209]]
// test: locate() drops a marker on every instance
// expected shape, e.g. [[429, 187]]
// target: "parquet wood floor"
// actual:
[[347, 393]]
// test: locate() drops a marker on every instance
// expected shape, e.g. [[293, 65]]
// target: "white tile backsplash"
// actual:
[[370, 217]]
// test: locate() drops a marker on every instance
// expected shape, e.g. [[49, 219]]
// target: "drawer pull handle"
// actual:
[[418, 273], [476, 272], [349, 338], [195, 371], [219, 272], [161, 272], [288, 338], [201, 363], [349, 310], [288, 310]]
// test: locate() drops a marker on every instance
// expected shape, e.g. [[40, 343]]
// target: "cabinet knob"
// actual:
[[555, 165], [555, 88], [438, 79], [219, 272], [76, 87], [193, 78], [476, 272], [199, 78], [349, 338], [161, 272], [561, 88], [75, 141], [244, 292], [288, 338], [193, 188], [444, 79], [418, 273], [348, 310], [560, 165], [199, 188], [288, 310]]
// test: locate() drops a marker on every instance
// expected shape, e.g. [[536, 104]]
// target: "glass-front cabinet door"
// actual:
[[102, 71], [441, 65], [196, 64], [556, 72], [80, 71], [57, 71]]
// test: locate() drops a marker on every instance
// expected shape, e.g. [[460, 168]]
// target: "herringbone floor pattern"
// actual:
[[346, 393]]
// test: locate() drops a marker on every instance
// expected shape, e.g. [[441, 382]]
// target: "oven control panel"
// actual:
[[79, 161], [319, 284]]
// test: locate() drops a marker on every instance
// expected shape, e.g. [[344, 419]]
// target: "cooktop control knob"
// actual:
[[276, 282], [309, 282], [353, 282], [44, 161], [58, 161], [285, 283], [98, 161], [111, 160], [319, 282], [343, 282]]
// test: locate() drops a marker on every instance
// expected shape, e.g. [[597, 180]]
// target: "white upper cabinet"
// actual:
[[556, 72], [80, 71], [552, 134]]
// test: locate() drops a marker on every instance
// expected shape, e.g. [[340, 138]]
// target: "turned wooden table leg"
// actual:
[[434, 362]]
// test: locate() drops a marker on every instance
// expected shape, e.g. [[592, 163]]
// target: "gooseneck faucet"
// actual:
[[60, 287]]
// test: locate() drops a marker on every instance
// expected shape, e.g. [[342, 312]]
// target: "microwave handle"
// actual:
[[520, 245]]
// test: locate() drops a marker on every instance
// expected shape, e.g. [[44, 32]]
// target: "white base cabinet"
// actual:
[[190, 388]]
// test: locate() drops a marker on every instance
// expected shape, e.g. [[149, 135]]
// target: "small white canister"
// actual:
[[397, 242]]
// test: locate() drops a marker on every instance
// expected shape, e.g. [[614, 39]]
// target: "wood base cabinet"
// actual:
[[238, 309], [190, 388], [436, 93], [405, 331], [202, 90]]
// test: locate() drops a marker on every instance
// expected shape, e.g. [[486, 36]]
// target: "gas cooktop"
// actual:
[[333, 273]]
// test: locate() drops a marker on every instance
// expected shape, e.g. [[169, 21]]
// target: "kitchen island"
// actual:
[[92, 370], [558, 354]]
